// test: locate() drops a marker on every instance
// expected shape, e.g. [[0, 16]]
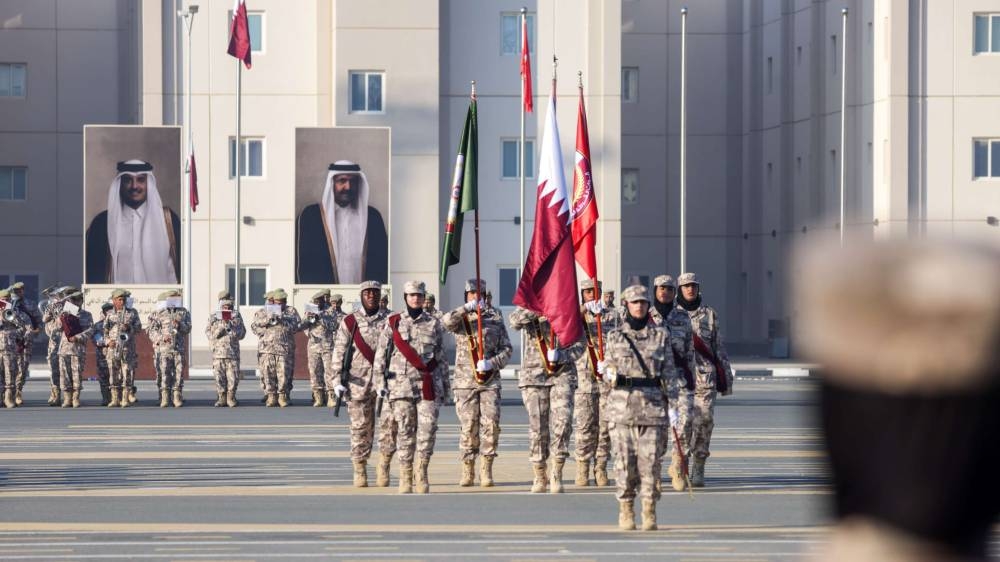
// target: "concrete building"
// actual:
[[923, 148]]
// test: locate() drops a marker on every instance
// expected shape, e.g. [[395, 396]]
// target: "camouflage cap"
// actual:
[[610, 292], [268, 295], [163, 296], [470, 285], [225, 302], [587, 284], [430, 297], [224, 294], [174, 293], [414, 288], [664, 281], [321, 294], [337, 298], [120, 293], [106, 307], [371, 285], [635, 293], [488, 293], [279, 295], [18, 285], [687, 279], [4, 293]]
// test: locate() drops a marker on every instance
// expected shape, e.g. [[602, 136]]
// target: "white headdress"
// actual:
[[348, 226], [155, 264]]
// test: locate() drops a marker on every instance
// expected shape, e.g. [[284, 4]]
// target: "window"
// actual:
[[510, 33], [986, 158], [630, 186], [30, 284], [510, 276], [13, 183], [252, 292], [630, 84], [511, 153], [770, 74], [987, 33], [251, 157], [367, 91], [12, 78]]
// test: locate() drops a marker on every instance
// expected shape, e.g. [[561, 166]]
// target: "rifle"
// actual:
[[385, 378], [345, 371]]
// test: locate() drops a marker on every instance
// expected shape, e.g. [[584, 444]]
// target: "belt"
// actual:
[[390, 376], [637, 382]]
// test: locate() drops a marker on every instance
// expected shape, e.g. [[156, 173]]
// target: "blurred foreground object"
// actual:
[[908, 334]]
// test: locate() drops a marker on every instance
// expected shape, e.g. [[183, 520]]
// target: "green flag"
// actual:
[[464, 191]]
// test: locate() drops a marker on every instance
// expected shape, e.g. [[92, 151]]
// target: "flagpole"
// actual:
[[479, 280], [555, 65], [520, 161], [843, 118], [186, 260], [239, 174], [683, 139], [597, 290]]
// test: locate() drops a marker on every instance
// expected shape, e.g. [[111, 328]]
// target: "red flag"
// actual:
[[193, 182], [548, 283], [525, 66], [239, 33], [583, 208]]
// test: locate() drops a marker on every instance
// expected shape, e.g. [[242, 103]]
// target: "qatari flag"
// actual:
[[239, 33]]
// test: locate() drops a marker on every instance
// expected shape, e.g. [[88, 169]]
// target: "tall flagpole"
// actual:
[[239, 174], [843, 118], [479, 280], [683, 138], [186, 261], [520, 160]]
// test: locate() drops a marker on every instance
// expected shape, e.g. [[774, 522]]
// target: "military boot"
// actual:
[[114, 398], [67, 398], [164, 398], [676, 472], [221, 400], [582, 473], [53, 396], [405, 478], [178, 398], [331, 399], [601, 472], [132, 398], [282, 399], [698, 473], [486, 473], [76, 398], [231, 399], [18, 400], [123, 401], [360, 473], [318, 399], [541, 483], [555, 484], [468, 473], [423, 483], [271, 400], [648, 515], [382, 472], [626, 516], [105, 396]]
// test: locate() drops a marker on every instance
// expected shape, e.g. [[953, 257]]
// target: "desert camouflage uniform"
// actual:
[[10, 335], [73, 354], [478, 405], [224, 338], [319, 350], [122, 358], [360, 396], [590, 424], [274, 345], [705, 323], [29, 308], [53, 329], [170, 348], [678, 325], [153, 332], [103, 371]]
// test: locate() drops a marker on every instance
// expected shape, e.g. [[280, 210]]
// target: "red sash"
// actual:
[[413, 358], [721, 376], [359, 342]]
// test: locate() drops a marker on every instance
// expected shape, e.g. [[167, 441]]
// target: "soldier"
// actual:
[[121, 326], [643, 378], [666, 314], [275, 326], [53, 329], [489, 304], [224, 331], [384, 303], [410, 358], [14, 324], [429, 306], [477, 381], [353, 357], [260, 314], [590, 424], [547, 380], [152, 330], [30, 308], [609, 300], [713, 374], [172, 324], [100, 345], [77, 329], [320, 326]]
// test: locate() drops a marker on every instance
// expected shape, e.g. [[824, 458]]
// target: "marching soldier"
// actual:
[[30, 308], [172, 324], [547, 381], [410, 356], [14, 324], [121, 326], [353, 357], [320, 328], [224, 331], [275, 330], [100, 345], [77, 329], [666, 314], [590, 424], [714, 374], [153, 332], [429, 306], [477, 381], [643, 379], [260, 314], [53, 329]]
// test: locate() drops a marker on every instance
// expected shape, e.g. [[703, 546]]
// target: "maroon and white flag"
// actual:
[[548, 283], [239, 33]]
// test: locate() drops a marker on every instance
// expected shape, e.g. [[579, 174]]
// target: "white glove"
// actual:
[[484, 365], [595, 307], [552, 355], [673, 415], [384, 392], [339, 390], [472, 305], [601, 367]]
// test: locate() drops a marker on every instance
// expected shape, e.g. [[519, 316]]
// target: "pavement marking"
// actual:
[[505, 531]]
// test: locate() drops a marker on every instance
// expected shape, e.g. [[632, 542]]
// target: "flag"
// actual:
[[525, 66], [548, 282], [193, 182], [464, 191], [583, 208], [239, 33]]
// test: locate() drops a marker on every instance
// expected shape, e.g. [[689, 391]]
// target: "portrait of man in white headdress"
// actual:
[[342, 239], [137, 239]]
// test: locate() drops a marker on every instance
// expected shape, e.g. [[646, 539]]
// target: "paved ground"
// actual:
[[253, 483]]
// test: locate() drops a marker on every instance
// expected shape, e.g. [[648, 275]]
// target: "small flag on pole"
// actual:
[[526, 65], [239, 33], [193, 182], [464, 191]]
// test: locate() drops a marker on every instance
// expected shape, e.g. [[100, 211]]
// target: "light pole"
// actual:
[[188, 17]]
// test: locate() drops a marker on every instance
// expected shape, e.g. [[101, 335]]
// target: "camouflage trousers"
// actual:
[[362, 414], [397, 429], [321, 369], [226, 373], [171, 369], [157, 369], [52, 356], [550, 421], [103, 372], [586, 424], [122, 369], [290, 372], [23, 362], [603, 433], [701, 418], [71, 372], [8, 370], [427, 425], [478, 412], [638, 468], [274, 373], [681, 404]]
